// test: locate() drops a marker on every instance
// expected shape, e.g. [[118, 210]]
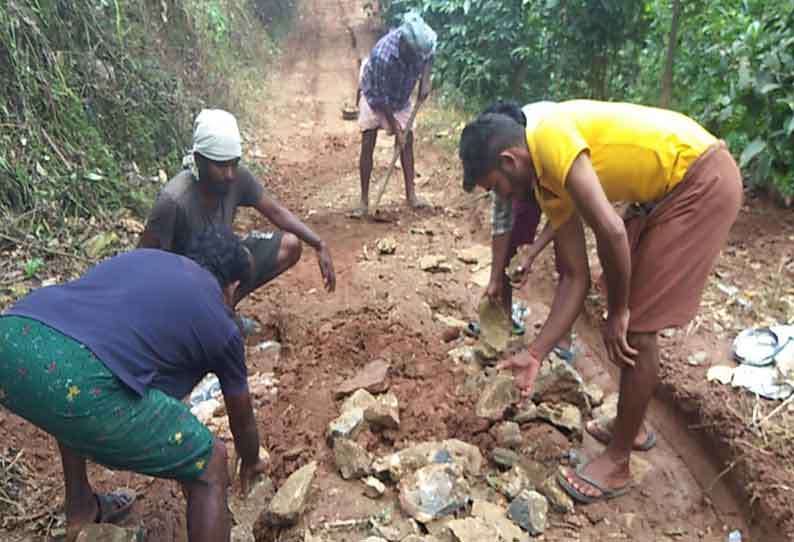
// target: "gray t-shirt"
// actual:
[[178, 213]]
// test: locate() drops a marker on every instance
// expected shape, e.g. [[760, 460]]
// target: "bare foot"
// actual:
[[601, 429], [418, 203]]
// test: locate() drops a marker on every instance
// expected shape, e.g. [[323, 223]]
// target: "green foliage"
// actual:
[[33, 266]]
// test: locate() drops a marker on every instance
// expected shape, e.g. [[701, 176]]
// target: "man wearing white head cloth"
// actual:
[[209, 191], [399, 59]]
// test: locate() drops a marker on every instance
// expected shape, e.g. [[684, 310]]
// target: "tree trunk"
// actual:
[[667, 77]]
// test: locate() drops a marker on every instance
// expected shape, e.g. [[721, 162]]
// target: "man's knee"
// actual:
[[217, 471], [642, 341], [291, 248]]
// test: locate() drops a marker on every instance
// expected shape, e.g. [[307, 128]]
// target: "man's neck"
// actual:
[[208, 198]]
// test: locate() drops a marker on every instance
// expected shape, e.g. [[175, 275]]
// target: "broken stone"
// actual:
[[484, 353], [290, 500], [371, 378], [347, 426], [439, 530], [433, 491], [499, 395], [245, 510], [594, 393], [496, 516], [450, 334], [360, 399], [384, 413], [473, 530], [434, 264], [495, 324], [698, 358], [482, 277], [374, 488], [100, 244], [720, 373], [450, 321], [529, 511], [558, 381], [417, 538], [507, 435], [205, 410], [352, 460], [397, 528], [640, 468], [559, 500], [399, 464], [474, 254], [504, 458], [105, 532], [511, 482], [562, 415], [608, 409], [387, 245], [527, 412], [463, 354]]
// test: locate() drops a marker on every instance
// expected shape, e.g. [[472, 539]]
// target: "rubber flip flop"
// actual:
[[597, 430], [578, 496], [567, 355], [114, 506]]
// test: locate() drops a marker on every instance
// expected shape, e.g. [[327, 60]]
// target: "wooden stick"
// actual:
[[397, 150]]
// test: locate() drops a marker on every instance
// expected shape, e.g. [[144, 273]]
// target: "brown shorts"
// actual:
[[675, 246]]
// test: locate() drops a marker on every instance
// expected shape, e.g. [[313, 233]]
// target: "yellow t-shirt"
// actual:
[[639, 153]]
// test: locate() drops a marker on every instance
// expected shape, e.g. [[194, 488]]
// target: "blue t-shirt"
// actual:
[[154, 318]]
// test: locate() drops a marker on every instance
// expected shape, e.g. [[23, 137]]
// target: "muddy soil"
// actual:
[[385, 307]]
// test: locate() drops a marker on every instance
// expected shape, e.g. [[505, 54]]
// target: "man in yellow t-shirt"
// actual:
[[581, 156]]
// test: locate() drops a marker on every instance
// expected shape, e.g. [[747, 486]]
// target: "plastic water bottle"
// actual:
[[735, 536]]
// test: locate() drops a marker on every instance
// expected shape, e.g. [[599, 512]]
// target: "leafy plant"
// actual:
[[33, 266]]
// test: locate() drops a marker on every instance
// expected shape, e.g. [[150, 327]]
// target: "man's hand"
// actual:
[[519, 278], [615, 339], [248, 473], [525, 366], [494, 290], [326, 268]]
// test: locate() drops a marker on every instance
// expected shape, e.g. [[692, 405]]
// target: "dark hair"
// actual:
[[481, 142], [218, 250], [509, 108]]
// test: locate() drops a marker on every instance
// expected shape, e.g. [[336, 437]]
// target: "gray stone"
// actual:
[[439, 530], [371, 378], [559, 500], [473, 530], [474, 254], [495, 325], [507, 435], [290, 500], [558, 381], [361, 398], [504, 458], [397, 528], [104, 532], [529, 511], [510, 483], [434, 264], [608, 409], [433, 491], [374, 488], [352, 460], [562, 415], [386, 245], [347, 426], [526, 413], [594, 393], [397, 465], [384, 413], [499, 395], [496, 516]]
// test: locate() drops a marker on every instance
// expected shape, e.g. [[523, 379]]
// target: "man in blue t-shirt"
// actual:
[[102, 362]]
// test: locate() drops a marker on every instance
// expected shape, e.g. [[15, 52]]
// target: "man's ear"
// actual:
[[508, 162], [230, 291]]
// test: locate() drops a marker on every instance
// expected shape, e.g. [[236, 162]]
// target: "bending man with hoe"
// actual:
[[579, 157], [102, 362], [210, 190], [399, 59]]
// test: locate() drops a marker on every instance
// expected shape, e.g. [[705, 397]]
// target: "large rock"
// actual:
[[499, 395], [371, 378], [433, 492], [527, 413], [397, 465], [562, 415], [495, 324], [559, 500], [594, 393], [360, 399], [510, 483], [104, 532], [496, 516], [473, 530], [558, 381], [608, 409], [347, 426], [290, 500], [507, 435], [384, 413], [352, 460], [374, 488], [529, 511], [504, 457]]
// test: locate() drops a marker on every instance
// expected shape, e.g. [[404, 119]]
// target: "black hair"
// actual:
[[509, 108], [481, 142], [218, 250]]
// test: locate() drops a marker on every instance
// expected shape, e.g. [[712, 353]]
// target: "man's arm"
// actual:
[[613, 252], [569, 240], [425, 83], [160, 225], [246, 437]]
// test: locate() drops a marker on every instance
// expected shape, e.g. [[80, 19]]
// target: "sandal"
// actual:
[[578, 496], [597, 430], [114, 506]]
